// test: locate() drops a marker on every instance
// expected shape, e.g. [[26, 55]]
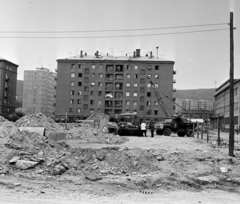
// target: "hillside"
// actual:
[[197, 94]]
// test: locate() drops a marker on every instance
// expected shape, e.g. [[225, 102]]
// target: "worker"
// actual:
[[151, 127], [144, 128]]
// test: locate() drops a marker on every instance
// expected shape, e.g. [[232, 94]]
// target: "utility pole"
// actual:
[[231, 112]]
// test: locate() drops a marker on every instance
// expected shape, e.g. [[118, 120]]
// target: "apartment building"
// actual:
[[39, 92], [113, 85], [8, 81], [222, 104]]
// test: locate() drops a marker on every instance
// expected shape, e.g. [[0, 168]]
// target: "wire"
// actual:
[[133, 29], [118, 36]]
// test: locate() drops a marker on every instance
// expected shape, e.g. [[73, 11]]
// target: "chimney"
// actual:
[[137, 52], [151, 54], [85, 54], [134, 54], [81, 53], [126, 54]]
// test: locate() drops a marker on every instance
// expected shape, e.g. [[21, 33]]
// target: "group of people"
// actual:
[[143, 127]]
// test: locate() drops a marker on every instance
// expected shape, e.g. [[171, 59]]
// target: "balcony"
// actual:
[[118, 77], [118, 104], [119, 68], [7, 78], [109, 68], [174, 90], [109, 77], [108, 95], [118, 86], [118, 95], [174, 80], [108, 104], [174, 72]]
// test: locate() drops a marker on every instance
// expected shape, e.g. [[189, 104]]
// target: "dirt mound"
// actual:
[[7, 129], [84, 133], [39, 120], [2, 119]]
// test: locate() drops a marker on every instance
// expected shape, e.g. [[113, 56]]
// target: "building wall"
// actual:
[[39, 92], [90, 99], [8, 81], [222, 100]]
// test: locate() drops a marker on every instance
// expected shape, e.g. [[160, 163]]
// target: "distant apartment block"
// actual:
[[39, 92], [222, 104], [113, 85], [8, 80], [191, 104], [19, 95]]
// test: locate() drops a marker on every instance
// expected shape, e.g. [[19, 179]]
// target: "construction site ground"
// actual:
[[94, 167]]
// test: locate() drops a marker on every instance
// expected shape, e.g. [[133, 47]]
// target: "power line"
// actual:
[[115, 30], [116, 36]]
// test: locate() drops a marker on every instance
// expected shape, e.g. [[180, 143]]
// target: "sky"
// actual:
[[202, 59]]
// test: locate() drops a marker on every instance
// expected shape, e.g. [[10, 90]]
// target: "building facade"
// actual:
[[39, 92], [113, 85], [8, 81], [222, 100]]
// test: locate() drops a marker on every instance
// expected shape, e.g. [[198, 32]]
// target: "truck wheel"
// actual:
[[167, 132], [189, 133], [158, 132], [181, 134]]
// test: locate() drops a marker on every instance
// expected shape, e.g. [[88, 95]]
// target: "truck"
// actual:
[[177, 124]]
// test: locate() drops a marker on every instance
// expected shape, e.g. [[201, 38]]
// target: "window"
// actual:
[[141, 98], [156, 67], [92, 92], [71, 110], [72, 74], [92, 102], [93, 66], [100, 93], [99, 103], [85, 97], [156, 76], [149, 76], [128, 67], [135, 103], [93, 75], [86, 71], [156, 103], [142, 90], [93, 84], [155, 112], [127, 103], [142, 72], [99, 84], [149, 67], [80, 75], [78, 110], [128, 76], [100, 75], [141, 107], [142, 81], [79, 66], [72, 66], [127, 84], [149, 85], [71, 93], [149, 112], [91, 111], [79, 83], [127, 93], [156, 85], [79, 93], [85, 106], [79, 101], [135, 84], [72, 83], [136, 67], [148, 94], [135, 94], [135, 76], [100, 66], [148, 103], [86, 79]]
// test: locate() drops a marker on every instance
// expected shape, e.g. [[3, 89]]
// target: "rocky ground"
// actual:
[[95, 167]]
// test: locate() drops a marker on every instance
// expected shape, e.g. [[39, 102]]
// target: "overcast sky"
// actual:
[[201, 58]]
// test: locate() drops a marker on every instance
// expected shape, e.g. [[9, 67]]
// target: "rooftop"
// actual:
[[2, 59]]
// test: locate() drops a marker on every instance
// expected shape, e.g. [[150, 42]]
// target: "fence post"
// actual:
[[193, 130], [207, 130], [202, 131], [219, 124]]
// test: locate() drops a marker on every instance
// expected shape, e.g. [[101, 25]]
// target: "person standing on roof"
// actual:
[[144, 128]]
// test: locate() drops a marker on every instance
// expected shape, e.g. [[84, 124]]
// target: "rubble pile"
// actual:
[[2, 119], [7, 129], [85, 133], [39, 120]]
